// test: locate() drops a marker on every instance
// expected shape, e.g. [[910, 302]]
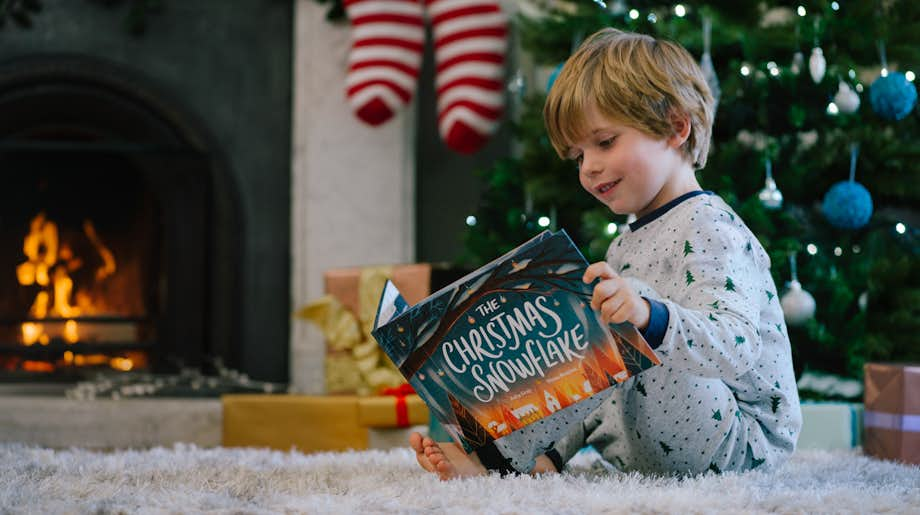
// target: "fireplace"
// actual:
[[109, 255]]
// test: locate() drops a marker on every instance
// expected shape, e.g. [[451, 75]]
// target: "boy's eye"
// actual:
[[606, 142]]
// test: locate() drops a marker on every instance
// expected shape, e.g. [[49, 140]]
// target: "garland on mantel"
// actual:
[[21, 12]]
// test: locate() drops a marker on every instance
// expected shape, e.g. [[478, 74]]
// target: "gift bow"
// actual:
[[402, 409]]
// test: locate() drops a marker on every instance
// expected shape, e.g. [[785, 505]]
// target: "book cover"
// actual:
[[512, 353]]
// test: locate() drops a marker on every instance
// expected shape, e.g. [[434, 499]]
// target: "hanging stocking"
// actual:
[[388, 37], [470, 40]]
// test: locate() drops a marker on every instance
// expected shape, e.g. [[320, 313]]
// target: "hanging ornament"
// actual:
[[846, 99], [709, 71], [798, 62], [798, 305], [892, 96], [553, 75], [848, 204], [817, 65], [770, 196]]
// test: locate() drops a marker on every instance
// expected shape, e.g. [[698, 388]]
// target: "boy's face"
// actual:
[[626, 169]]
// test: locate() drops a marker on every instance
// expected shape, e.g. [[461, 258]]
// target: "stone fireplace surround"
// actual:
[[351, 193]]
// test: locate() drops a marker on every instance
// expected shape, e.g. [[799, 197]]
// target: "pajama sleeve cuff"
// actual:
[[657, 323], [556, 458]]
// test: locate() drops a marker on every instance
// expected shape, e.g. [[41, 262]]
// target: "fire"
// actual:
[[49, 264]]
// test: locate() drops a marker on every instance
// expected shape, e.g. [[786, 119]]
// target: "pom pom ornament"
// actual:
[[798, 305], [892, 96], [770, 196], [817, 65], [848, 204], [846, 99]]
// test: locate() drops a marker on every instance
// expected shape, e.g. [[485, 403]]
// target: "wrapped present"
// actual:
[[397, 407], [345, 315], [308, 423], [831, 425], [892, 411]]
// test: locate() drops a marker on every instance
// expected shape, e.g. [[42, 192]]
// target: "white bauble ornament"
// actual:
[[846, 99], [798, 305], [770, 196], [817, 65]]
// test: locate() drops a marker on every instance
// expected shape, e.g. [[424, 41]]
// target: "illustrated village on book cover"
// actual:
[[513, 352]]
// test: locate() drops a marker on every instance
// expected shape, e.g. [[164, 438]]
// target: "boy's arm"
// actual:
[[712, 322]]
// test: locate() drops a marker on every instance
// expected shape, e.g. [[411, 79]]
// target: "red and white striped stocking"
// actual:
[[470, 41], [388, 37]]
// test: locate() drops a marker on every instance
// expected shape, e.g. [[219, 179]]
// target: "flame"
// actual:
[[49, 263], [71, 335]]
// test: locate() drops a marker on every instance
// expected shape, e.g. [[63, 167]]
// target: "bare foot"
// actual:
[[446, 459]]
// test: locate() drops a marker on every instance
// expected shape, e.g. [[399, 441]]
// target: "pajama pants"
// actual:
[[669, 422]]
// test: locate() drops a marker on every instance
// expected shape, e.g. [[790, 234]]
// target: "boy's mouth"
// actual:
[[607, 186]]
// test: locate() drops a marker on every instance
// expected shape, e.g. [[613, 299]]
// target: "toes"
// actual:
[[415, 441]]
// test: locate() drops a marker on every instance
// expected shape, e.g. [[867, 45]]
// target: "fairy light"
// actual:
[[471, 220], [832, 109], [774, 69], [543, 221], [900, 227], [633, 14], [859, 88], [884, 72], [852, 73], [909, 75], [838, 251], [835, 6], [857, 249], [811, 248], [680, 10], [611, 228], [745, 70], [801, 10], [652, 18]]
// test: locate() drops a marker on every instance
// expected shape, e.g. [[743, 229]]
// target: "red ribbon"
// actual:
[[402, 410]]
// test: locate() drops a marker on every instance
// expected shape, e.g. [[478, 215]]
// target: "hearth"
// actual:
[[107, 245]]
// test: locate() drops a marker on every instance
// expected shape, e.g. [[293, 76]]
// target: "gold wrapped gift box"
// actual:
[[316, 423], [354, 362], [892, 411]]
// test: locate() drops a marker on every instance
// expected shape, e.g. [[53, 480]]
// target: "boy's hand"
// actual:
[[614, 298]]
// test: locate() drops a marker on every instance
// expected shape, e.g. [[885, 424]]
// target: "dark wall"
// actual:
[[228, 62]]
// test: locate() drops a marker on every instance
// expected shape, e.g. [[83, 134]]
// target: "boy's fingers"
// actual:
[[611, 308], [602, 291], [600, 269]]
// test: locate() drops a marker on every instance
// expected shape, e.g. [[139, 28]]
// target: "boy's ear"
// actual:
[[680, 123]]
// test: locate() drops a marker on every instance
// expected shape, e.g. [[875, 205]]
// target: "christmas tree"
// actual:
[[810, 95]]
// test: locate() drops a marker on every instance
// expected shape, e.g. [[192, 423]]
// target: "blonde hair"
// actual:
[[636, 80]]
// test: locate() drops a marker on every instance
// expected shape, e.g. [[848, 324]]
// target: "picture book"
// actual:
[[512, 353]]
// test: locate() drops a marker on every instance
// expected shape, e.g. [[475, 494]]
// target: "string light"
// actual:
[[774, 69], [857, 249], [652, 18], [852, 73], [543, 221], [859, 88], [680, 10], [832, 109], [884, 72], [909, 75], [633, 14], [835, 6], [838, 251], [611, 228], [900, 227], [471, 220], [745, 70], [801, 10], [812, 249]]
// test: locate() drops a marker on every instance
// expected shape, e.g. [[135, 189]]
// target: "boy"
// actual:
[[635, 114]]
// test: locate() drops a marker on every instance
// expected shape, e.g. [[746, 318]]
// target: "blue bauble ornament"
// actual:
[[892, 96], [552, 77], [847, 205]]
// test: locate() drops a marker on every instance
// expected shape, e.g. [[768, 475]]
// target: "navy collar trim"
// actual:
[[657, 213]]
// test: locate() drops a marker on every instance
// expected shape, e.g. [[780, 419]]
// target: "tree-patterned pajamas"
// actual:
[[725, 396]]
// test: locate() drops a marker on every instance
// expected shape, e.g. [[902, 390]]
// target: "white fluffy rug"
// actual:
[[186, 479]]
